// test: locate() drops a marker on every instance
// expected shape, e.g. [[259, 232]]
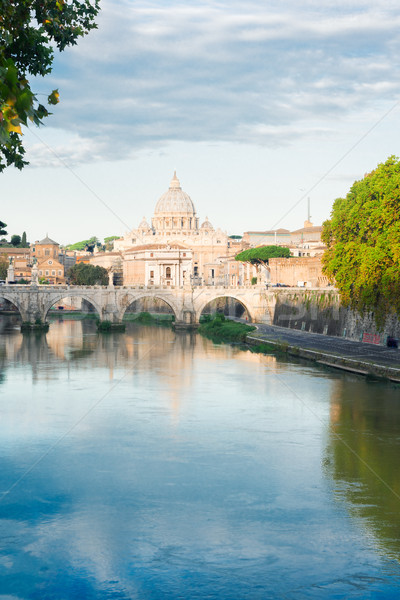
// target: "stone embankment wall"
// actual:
[[319, 311]]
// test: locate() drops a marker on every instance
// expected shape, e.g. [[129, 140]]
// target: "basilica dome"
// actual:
[[207, 225], [143, 225], [175, 201]]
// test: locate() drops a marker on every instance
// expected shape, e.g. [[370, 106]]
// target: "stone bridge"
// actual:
[[187, 303]]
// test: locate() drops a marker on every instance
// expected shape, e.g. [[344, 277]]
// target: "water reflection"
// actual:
[[72, 340], [158, 465], [363, 454]]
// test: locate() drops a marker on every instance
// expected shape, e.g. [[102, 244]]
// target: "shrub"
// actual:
[[222, 329]]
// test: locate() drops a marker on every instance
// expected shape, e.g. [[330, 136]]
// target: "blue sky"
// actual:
[[256, 105]]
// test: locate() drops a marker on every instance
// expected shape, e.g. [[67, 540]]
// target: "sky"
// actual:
[[258, 106]]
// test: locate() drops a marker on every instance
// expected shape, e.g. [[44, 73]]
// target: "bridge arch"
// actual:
[[202, 305], [71, 294], [15, 301], [129, 299]]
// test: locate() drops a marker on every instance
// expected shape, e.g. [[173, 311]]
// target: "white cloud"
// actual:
[[154, 73]]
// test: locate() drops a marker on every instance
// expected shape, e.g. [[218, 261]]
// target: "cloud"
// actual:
[[155, 73], [55, 149]]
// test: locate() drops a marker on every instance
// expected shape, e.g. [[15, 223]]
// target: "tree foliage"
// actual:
[[109, 242], [29, 32], [3, 266], [84, 274], [2, 228], [15, 240], [261, 254], [363, 242], [84, 244]]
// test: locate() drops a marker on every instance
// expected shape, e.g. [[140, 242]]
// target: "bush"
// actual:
[[222, 329], [108, 327]]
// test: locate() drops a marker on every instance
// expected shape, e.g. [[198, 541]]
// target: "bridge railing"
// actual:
[[71, 288]]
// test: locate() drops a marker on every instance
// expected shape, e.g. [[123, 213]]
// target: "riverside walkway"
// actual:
[[358, 357]]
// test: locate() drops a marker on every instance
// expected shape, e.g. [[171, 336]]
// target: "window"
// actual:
[[184, 254], [151, 274], [196, 271], [53, 272], [59, 273], [151, 254], [47, 252], [133, 240], [40, 273], [168, 272], [47, 273]]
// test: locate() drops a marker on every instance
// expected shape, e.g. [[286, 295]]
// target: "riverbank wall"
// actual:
[[344, 363], [320, 311]]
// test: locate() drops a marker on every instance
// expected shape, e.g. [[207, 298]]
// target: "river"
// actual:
[[158, 465]]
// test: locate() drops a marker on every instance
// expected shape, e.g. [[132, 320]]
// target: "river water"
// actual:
[[157, 465]]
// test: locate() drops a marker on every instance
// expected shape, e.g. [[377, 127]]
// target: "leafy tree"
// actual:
[[83, 244], [261, 255], [29, 32], [15, 240], [3, 266], [109, 242], [363, 242], [84, 274], [2, 228], [23, 241]]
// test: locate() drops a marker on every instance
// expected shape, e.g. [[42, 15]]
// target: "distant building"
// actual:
[[175, 248], [306, 249], [296, 271], [46, 252], [20, 258], [284, 237]]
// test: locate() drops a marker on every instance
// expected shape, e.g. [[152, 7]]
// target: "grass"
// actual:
[[220, 329], [79, 316], [146, 318], [109, 327], [37, 326], [279, 347], [264, 348]]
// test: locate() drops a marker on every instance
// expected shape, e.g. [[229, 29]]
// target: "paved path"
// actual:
[[371, 353]]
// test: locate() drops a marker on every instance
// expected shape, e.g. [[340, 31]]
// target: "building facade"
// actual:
[[175, 249], [47, 255]]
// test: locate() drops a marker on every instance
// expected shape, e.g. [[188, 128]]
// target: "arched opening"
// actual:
[[10, 316], [227, 305], [150, 309], [72, 308]]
